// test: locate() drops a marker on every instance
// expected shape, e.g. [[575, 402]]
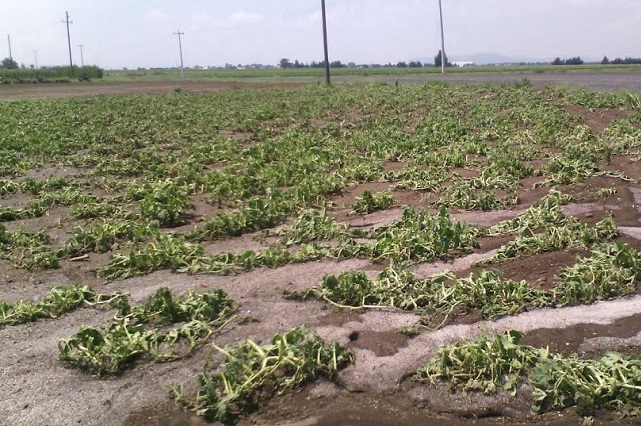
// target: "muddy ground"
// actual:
[[38, 389]]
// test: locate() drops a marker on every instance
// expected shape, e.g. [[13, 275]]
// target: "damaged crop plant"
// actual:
[[490, 364], [145, 193]]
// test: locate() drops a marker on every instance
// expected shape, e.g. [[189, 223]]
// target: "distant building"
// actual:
[[463, 64]]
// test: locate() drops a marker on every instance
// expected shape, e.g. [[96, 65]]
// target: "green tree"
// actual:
[[605, 61], [8, 64], [285, 63], [437, 60]]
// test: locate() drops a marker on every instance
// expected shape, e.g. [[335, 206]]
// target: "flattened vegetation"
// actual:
[[224, 229]]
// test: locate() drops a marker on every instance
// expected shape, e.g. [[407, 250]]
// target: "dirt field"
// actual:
[[67, 90], [600, 81], [38, 389]]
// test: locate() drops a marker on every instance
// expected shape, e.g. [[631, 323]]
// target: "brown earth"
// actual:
[[66, 90], [38, 389]]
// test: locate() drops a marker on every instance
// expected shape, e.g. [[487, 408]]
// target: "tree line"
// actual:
[[618, 61], [286, 63], [605, 61]]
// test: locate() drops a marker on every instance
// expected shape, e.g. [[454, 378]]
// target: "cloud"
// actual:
[[242, 18], [157, 15]]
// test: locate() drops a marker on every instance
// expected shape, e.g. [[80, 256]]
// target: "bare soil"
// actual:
[[66, 90], [38, 389]]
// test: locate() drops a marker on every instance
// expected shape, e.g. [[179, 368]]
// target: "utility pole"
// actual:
[[35, 54], [443, 60], [327, 76], [67, 21], [180, 46], [82, 57], [9, 41]]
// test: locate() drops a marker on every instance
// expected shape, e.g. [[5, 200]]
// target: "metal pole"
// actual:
[[327, 75], [35, 54], [440, 11], [67, 21], [9, 41], [180, 46], [82, 56]]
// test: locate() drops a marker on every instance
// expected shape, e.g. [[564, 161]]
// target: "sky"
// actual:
[[139, 33]]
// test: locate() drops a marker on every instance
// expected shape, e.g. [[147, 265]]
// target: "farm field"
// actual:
[[361, 254], [138, 82]]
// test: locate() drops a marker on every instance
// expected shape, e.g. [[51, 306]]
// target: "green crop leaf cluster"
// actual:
[[422, 236], [164, 327], [486, 365], [58, 301], [27, 250], [416, 237], [547, 211], [438, 299], [97, 209], [251, 374], [611, 271], [164, 204], [544, 227], [573, 233], [44, 203], [310, 226], [489, 191], [369, 203], [102, 237], [611, 382], [166, 251]]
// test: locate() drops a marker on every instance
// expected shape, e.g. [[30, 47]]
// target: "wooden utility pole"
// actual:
[[67, 21], [327, 76], [82, 56], [35, 54], [440, 11], [9, 41], [180, 46]]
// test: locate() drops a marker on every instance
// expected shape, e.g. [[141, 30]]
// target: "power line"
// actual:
[[180, 46], [327, 76], [67, 21], [82, 56]]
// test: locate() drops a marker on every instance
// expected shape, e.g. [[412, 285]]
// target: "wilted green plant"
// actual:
[[153, 328], [500, 362], [164, 204], [58, 301], [310, 226], [571, 234], [422, 236], [486, 365], [166, 251], [252, 374], [369, 203], [612, 270]]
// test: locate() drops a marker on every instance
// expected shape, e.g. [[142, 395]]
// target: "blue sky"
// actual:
[[138, 33]]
